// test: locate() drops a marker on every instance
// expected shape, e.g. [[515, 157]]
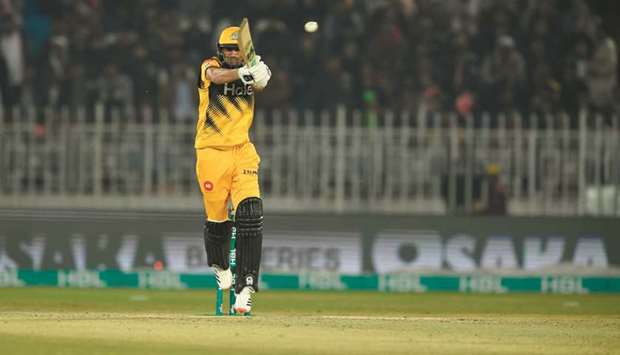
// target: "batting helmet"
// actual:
[[228, 39]]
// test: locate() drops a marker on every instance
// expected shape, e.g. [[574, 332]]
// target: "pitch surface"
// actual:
[[74, 321]]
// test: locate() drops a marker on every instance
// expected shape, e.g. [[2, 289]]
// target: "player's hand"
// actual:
[[245, 75], [258, 68], [261, 74]]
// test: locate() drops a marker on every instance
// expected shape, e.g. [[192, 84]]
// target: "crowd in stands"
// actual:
[[450, 55]]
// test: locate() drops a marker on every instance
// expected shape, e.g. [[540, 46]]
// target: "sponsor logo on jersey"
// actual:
[[236, 89], [208, 185]]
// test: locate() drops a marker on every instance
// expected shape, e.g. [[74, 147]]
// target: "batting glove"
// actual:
[[245, 75], [261, 74], [263, 79]]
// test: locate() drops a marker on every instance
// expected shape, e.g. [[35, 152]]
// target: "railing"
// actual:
[[321, 161]]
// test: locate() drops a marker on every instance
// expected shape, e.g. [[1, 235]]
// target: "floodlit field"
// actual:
[[78, 321]]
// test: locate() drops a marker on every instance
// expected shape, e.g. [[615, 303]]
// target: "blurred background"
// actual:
[[442, 106], [409, 115]]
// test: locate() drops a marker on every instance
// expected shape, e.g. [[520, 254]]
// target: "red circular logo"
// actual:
[[208, 185]]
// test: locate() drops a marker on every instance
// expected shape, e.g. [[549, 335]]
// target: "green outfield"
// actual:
[[124, 321]]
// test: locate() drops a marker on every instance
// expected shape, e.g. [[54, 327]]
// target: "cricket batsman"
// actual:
[[227, 164]]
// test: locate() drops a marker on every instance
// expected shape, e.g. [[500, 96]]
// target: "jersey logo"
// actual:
[[208, 185], [236, 89]]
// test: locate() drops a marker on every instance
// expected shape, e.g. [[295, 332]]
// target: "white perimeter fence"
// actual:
[[327, 161]]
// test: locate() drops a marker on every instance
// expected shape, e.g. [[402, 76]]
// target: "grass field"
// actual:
[[78, 321]]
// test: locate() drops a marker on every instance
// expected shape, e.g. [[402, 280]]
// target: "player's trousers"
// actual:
[[226, 174]]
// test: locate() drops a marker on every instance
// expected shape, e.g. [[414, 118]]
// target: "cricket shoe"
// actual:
[[243, 301], [223, 277]]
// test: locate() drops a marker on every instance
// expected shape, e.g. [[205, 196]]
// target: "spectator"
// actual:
[[280, 89], [305, 66], [144, 74], [545, 91], [503, 73], [574, 75], [388, 55], [183, 85], [12, 67], [466, 74], [495, 198], [603, 72], [115, 90], [57, 65]]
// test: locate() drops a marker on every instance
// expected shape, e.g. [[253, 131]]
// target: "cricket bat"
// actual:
[[245, 43]]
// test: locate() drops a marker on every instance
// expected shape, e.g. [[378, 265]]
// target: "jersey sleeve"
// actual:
[[206, 64]]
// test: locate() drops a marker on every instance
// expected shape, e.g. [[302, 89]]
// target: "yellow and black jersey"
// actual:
[[225, 111]]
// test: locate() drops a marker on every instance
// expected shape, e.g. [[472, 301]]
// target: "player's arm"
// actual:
[[257, 75], [222, 76], [212, 72]]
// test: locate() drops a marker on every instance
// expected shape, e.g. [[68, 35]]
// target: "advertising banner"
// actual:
[[295, 243], [406, 282], [179, 252]]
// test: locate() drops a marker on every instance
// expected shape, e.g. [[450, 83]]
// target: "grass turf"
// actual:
[[124, 321]]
